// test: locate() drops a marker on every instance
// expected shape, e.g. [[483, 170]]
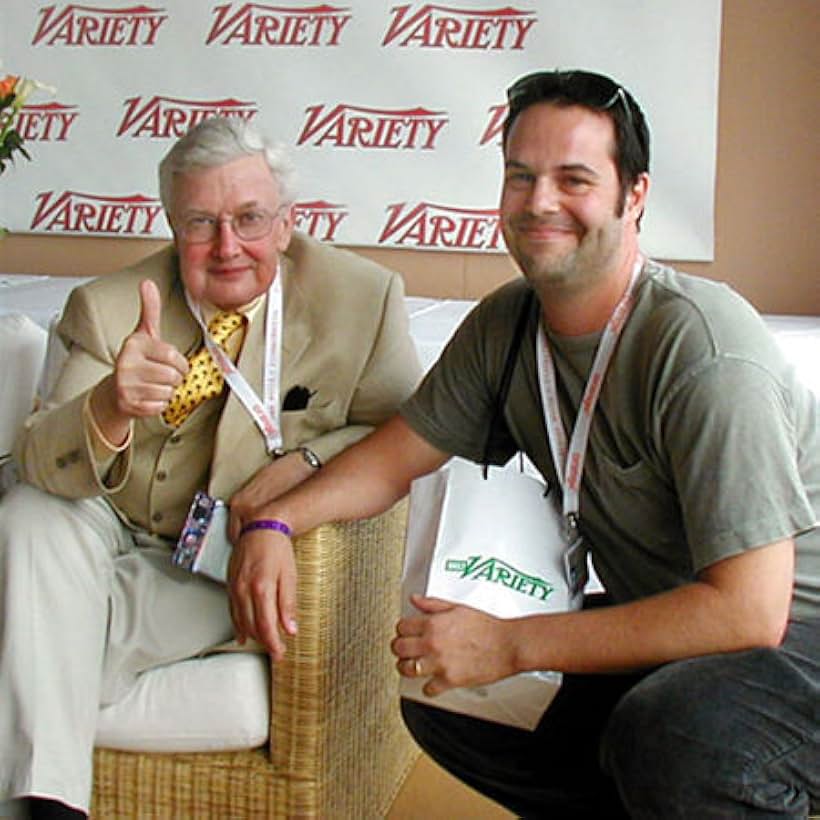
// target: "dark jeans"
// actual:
[[722, 736]]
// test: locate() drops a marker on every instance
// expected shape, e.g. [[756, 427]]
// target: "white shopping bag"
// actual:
[[495, 545]]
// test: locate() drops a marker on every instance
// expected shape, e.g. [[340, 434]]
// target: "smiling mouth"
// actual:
[[545, 231], [228, 272]]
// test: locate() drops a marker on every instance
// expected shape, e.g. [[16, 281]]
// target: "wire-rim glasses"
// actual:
[[248, 225]]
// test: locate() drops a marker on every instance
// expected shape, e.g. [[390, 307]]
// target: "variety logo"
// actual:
[[88, 26], [162, 117], [495, 125], [426, 225], [256, 24], [48, 122], [72, 212], [496, 571], [320, 219], [350, 126], [432, 26]]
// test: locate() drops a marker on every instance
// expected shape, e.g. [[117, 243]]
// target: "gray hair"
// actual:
[[217, 141]]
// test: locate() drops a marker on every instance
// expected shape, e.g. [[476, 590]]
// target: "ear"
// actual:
[[288, 220], [636, 196]]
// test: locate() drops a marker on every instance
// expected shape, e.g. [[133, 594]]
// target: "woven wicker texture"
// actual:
[[340, 749]]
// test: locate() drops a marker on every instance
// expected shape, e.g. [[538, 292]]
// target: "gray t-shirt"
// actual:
[[704, 443]]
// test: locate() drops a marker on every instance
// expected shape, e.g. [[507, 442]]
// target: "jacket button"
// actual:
[[156, 517], [162, 475], [60, 462]]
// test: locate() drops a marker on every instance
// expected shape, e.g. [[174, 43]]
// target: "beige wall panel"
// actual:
[[768, 176], [426, 273], [484, 272], [71, 255]]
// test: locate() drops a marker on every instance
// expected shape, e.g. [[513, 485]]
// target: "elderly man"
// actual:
[[306, 349], [693, 690]]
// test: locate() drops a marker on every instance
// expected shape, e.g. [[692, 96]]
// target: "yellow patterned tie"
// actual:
[[204, 379]]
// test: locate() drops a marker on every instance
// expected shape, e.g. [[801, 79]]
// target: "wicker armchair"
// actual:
[[339, 748]]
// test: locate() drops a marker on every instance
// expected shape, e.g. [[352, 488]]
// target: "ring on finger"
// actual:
[[417, 667]]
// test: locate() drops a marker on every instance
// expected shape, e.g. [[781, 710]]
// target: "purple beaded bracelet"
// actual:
[[267, 524]]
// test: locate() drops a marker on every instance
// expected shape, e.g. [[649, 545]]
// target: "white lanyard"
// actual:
[[569, 458], [266, 412]]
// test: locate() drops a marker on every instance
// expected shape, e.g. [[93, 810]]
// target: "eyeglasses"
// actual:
[[248, 225], [583, 87]]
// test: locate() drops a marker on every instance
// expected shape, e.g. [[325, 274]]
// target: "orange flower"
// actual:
[[7, 85], [14, 91]]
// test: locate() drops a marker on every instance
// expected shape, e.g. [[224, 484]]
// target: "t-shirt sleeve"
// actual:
[[735, 495], [453, 406]]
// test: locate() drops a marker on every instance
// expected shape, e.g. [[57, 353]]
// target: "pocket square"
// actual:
[[297, 398]]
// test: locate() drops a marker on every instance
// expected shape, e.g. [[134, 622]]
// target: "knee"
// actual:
[[665, 744], [700, 738], [39, 528], [457, 742], [419, 722], [643, 718], [14, 517]]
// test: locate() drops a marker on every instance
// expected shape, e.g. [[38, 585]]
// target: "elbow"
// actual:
[[773, 615], [766, 629], [774, 631]]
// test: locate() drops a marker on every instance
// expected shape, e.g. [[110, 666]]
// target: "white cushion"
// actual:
[[799, 339], [218, 703], [24, 345], [432, 323]]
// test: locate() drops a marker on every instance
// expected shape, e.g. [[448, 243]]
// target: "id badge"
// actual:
[[203, 545], [575, 567]]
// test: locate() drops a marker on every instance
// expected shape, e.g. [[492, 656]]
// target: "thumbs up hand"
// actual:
[[146, 372], [147, 369]]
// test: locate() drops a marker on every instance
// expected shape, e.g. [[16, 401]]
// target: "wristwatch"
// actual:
[[310, 457]]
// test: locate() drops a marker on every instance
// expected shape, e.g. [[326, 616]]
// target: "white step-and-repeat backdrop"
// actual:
[[392, 110]]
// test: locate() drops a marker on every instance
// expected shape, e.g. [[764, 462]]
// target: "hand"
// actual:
[[453, 645], [262, 589], [269, 483], [146, 372], [147, 369]]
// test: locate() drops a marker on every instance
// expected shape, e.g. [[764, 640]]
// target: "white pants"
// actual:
[[86, 606]]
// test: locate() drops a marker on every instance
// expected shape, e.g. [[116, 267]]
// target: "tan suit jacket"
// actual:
[[346, 341]]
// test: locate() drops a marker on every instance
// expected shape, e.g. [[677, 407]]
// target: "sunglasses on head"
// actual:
[[584, 87]]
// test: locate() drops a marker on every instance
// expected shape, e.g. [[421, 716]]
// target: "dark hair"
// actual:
[[598, 93]]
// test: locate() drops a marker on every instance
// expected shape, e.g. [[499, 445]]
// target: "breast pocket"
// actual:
[[648, 504], [308, 422]]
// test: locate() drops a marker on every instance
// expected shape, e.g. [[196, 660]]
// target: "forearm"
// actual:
[[360, 482], [741, 603], [330, 444], [621, 638]]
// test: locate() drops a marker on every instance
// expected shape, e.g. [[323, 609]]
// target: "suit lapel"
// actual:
[[296, 339]]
